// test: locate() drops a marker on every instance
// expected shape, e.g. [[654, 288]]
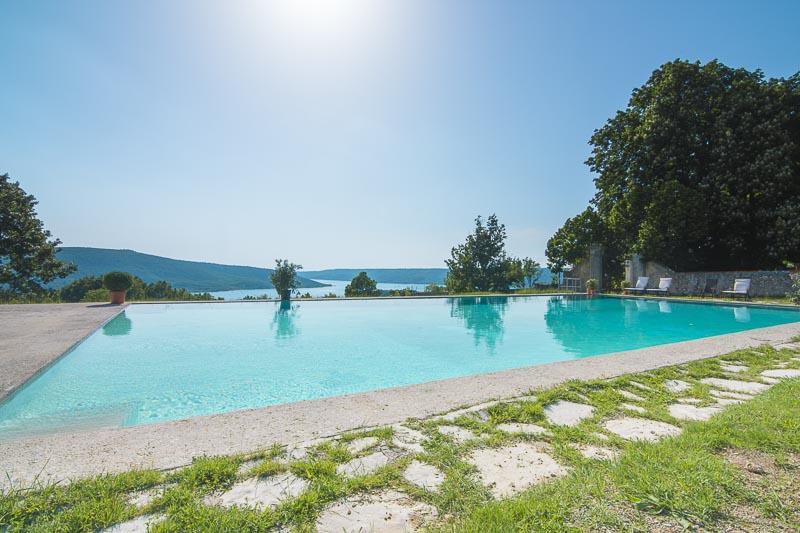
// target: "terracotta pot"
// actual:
[[117, 297], [590, 292]]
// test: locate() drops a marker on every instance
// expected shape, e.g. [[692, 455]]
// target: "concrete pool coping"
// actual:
[[71, 455], [34, 336]]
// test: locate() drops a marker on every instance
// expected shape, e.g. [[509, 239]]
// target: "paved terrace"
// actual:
[[40, 332], [33, 336]]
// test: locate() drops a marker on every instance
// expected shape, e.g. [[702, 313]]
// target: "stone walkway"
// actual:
[[504, 449]]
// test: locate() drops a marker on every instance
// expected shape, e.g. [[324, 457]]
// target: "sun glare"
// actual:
[[321, 22]]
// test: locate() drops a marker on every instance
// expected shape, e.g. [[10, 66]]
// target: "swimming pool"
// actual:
[[159, 362]]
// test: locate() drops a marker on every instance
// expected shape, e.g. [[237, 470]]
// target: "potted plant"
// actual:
[[117, 284], [591, 286], [284, 278]]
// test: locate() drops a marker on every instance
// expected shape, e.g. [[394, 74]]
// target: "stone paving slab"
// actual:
[[690, 400], [366, 465], [677, 386], [457, 433], [635, 408], [628, 395], [32, 336], [782, 373], [479, 411], [408, 439], [528, 429], [691, 412], [390, 511], [359, 445], [728, 394], [749, 387], [511, 469], [641, 429], [728, 401], [565, 413], [260, 493], [424, 475], [76, 454], [734, 369]]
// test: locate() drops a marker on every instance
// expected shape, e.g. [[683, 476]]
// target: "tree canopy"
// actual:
[[481, 262], [700, 171], [362, 285], [27, 251]]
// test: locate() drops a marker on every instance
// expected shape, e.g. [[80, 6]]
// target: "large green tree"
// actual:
[[27, 250], [361, 285], [700, 171], [481, 262]]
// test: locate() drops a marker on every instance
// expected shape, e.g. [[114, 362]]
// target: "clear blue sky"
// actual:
[[356, 133]]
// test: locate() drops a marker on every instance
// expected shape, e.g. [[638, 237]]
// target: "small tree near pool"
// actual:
[[362, 285], [284, 278]]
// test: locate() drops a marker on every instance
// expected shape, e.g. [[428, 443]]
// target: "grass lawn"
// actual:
[[740, 470]]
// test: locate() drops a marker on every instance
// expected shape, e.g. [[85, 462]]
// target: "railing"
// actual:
[[571, 284]]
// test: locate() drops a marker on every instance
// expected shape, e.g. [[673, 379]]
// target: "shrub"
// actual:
[[591, 284], [96, 295], [117, 281], [76, 291], [433, 288]]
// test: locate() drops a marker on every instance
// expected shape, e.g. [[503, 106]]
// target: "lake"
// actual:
[[335, 286]]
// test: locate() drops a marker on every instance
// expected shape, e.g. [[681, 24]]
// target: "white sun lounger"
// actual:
[[663, 286], [741, 287], [641, 285]]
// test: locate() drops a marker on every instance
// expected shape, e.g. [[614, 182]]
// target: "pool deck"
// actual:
[[33, 336]]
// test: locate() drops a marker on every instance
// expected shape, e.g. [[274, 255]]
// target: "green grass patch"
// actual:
[[209, 473], [683, 479]]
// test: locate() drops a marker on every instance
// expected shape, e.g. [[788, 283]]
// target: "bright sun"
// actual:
[[322, 22]]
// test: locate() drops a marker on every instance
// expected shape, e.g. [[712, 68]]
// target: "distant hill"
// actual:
[[190, 275], [397, 275], [383, 275]]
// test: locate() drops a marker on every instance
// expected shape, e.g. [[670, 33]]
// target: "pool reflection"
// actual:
[[119, 325], [483, 316], [284, 321]]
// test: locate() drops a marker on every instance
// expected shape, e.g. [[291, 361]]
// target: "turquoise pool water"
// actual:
[[166, 362]]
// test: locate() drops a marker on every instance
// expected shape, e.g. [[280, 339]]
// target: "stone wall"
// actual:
[[764, 282], [590, 268]]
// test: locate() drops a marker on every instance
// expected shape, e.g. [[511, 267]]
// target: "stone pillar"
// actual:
[[634, 267], [596, 264]]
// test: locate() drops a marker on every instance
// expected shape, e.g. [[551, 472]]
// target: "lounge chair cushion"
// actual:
[[741, 285], [641, 284]]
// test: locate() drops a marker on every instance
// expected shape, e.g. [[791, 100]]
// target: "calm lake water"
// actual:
[[336, 287], [159, 362]]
